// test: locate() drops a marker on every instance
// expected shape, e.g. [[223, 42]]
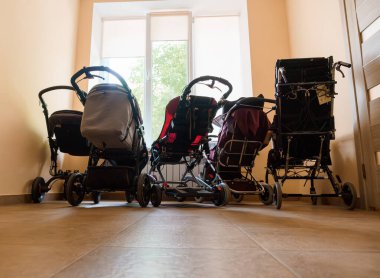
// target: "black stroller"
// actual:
[[244, 132], [304, 125], [63, 128], [184, 141], [112, 123]]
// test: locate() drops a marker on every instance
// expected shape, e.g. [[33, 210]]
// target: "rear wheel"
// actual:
[[143, 190], [266, 196], [156, 195], [349, 195], [38, 190], [75, 189], [277, 195], [129, 196], [224, 195], [237, 197]]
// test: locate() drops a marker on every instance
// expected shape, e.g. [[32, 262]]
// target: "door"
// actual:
[[363, 29]]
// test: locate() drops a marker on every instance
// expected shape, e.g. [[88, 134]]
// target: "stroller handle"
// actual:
[[187, 89], [53, 88], [88, 75]]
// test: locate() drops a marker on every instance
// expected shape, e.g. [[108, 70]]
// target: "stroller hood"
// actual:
[[108, 120]]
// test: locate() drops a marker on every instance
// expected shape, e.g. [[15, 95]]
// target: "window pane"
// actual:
[[132, 70], [169, 77], [217, 52], [124, 38]]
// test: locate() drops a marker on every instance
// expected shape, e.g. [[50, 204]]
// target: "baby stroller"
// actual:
[[112, 123], [304, 125], [244, 132], [63, 128], [184, 140]]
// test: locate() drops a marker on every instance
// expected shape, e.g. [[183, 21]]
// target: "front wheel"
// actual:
[[75, 189], [129, 196], [143, 190], [223, 196], [237, 197], [38, 190], [199, 199], [277, 195], [95, 195], [156, 195], [266, 196], [349, 195]]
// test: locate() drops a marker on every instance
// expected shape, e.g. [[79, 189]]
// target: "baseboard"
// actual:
[[27, 198]]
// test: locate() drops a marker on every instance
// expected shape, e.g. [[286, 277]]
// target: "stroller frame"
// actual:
[[309, 169], [216, 190], [108, 176], [263, 190], [39, 186]]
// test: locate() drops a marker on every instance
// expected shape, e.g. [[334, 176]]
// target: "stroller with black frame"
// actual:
[[112, 123], [244, 132], [184, 141], [304, 125], [63, 128]]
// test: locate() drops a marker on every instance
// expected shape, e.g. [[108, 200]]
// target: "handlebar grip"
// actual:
[[344, 64], [223, 81]]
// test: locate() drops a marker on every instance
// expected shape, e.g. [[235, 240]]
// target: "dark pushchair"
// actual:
[[63, 129], [304, 125], [184, 141], [112, 123], [245, 130]]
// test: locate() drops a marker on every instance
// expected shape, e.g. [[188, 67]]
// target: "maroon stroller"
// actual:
[[245, 130]]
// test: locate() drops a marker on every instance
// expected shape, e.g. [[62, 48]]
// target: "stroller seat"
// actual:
[[65, 125], [187, 122]]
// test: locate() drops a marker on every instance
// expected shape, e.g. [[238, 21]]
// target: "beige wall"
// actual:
[[316, 30], [37, 51], [268, 30]]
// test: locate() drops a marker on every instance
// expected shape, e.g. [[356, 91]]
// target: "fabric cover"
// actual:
[[302, 110], [186, 123], [108, 121], [243, 123], [64, 125]]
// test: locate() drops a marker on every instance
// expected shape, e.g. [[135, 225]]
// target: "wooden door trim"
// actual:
[[362, 130]]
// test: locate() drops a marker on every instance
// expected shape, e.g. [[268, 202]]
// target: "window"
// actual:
[[158, 53]]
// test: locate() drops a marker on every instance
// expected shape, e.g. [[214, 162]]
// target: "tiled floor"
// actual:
[[113, 239]]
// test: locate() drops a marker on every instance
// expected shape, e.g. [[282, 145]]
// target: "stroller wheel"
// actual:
[[75, 189], [129, 196], [180, 199], [95, 197], [38, 190], [223, 196], [237, 197], [349, 195], [143, 190], [156, 195], [267, 196], [199, 199], [277, 195]]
